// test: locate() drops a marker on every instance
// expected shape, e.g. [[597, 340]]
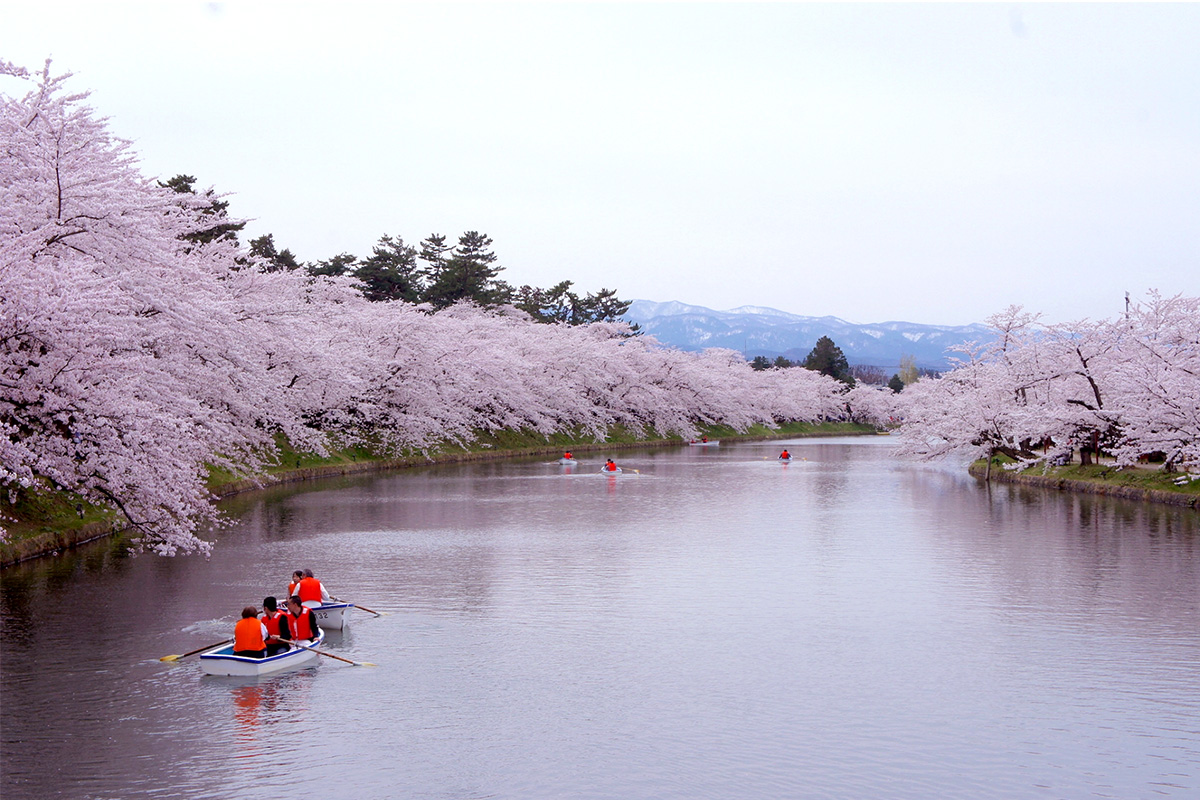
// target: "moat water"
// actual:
[[714, 625]]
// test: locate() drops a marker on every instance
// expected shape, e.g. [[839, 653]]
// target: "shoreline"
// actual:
[[54, 542], [978, 470]]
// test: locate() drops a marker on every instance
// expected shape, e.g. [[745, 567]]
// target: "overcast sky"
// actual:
[[928, 163]]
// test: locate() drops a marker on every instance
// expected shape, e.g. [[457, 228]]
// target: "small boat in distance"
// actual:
[[222, 661], [566, 460], [704, 442]]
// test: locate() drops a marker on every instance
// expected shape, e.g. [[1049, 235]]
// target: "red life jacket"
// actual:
[[303, 626], [247, 634], [611, 467], [273, 622], [292, 588], [309, 589]]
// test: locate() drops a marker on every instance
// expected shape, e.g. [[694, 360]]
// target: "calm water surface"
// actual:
[[717, 625]]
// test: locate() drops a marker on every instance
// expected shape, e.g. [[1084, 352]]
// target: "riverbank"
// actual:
[[57, 522], [1143, 484]]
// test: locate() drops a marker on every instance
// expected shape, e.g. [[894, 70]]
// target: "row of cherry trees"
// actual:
[[134, 352], [1128, 386]]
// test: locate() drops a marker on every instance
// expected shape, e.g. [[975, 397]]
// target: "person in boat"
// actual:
[[567, 455], [297, 576], [250, 635], [275, 621], [785, 455], [610, 466], [704, 439], [311, 591], [301, 623]]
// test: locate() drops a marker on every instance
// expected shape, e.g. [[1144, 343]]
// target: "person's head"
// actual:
[[308, 573], [294, 604], [270, 604], [249, 612], [298, 575]]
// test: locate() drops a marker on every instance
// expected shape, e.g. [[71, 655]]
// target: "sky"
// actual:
[[929, 163]]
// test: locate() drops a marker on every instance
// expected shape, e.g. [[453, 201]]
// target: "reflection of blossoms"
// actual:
[[134, 353]]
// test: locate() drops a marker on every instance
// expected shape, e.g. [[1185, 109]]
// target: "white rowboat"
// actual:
[[568, 461], [222, 661], [713, 443], [332, 616]]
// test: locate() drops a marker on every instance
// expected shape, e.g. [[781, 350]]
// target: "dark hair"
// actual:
[[270, 604], [295, 599], [249, 612]]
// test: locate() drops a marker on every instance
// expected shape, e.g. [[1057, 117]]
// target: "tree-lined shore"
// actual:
[[144, 350], [142, 347], [54, 522]]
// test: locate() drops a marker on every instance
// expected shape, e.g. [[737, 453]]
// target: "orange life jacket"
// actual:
[[247, 634], [309, 589], [273, 622], [292, 588], [303, 626]]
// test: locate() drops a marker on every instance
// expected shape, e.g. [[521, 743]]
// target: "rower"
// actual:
[[785, 455], [610, 466], [250, 635], [311, 592], [297, 576], [301, 622], [567, 455], [274, 620]]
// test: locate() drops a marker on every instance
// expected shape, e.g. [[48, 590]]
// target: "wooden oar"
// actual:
[[197, 650], [331, 655], [364, 608]]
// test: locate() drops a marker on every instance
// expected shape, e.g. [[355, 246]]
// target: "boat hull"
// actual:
[[332, 616], [714, 443], [222, 661], [568, 461]]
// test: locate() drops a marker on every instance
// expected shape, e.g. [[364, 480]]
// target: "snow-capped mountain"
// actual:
[[756, 330]]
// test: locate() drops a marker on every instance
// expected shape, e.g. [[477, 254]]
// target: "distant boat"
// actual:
[[565, 460], [709, 443]]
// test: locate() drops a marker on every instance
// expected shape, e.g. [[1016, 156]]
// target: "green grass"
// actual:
[[1146, 478]]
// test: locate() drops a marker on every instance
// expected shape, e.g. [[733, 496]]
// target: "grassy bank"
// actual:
[[1133, 483], [49, 522]]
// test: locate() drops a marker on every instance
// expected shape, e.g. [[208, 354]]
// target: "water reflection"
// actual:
[[715, 625]]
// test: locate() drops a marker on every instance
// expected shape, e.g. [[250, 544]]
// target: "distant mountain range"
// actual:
[[757, 331]]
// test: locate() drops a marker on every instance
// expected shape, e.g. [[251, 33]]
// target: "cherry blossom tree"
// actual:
[[126, 363], [136, 351], [1038, 393]]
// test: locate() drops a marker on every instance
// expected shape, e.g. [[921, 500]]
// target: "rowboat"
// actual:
[[568, 461], [222, 661], [712, 443], [616, 471], [332, 616], [785, 460]]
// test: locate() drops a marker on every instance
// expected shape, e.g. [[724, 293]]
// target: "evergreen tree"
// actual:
[[896, 384], [760, 363], [828, 359], [391, 273], [341, 264], [469, 274], [264, 252]]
